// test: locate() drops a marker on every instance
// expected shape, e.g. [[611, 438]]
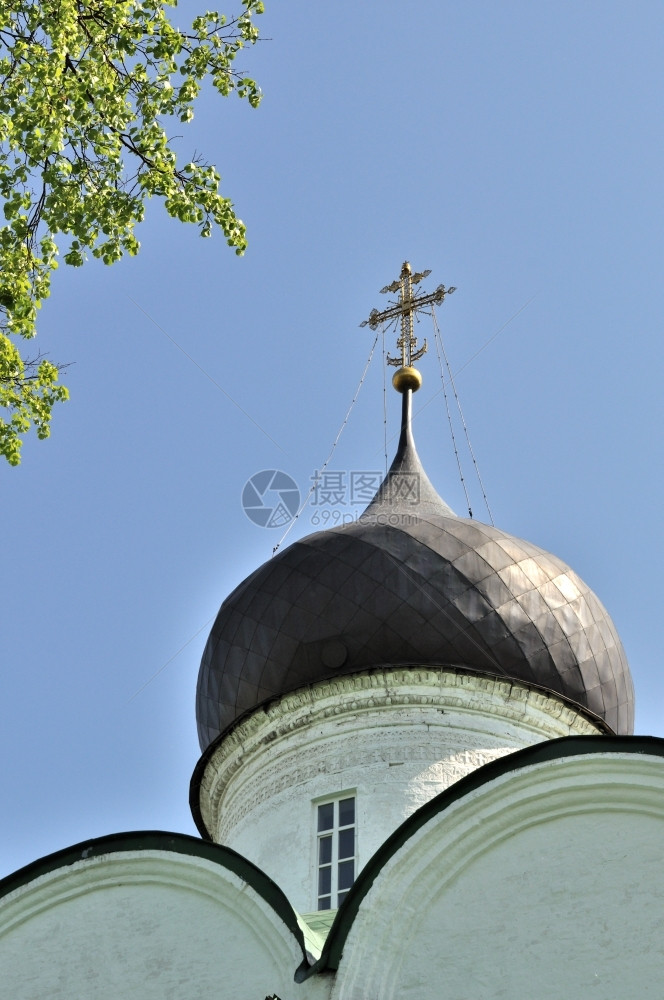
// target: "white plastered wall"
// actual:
[[153, 925], [547, 883], [395, 736]]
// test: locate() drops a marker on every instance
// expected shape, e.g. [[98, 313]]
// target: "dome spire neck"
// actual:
[[406, 491], [406, 439]]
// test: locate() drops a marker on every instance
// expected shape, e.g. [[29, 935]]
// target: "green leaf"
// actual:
[[86, 89]]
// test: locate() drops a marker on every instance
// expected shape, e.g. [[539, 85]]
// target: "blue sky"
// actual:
[[516, 150]]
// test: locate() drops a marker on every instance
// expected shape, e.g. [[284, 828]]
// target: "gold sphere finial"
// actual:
[[406, 378]]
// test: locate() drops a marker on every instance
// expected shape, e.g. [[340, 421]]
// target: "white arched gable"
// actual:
[[155, 917], [544, 881]]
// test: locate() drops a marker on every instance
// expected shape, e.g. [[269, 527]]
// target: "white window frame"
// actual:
[[333, 897]]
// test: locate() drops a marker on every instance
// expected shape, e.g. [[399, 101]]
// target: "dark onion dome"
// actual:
[[411, 583]]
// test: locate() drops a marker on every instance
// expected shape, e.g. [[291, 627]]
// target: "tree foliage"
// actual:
[[87, 90]]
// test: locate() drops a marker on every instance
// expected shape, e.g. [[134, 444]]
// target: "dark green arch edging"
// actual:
[[175, 843], [565, 746]]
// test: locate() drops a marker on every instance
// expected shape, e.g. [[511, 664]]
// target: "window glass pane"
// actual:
[[336, 849], [347, 843], [346, 812], [324, 880], [326, 816], [346, 874], [324, 850]]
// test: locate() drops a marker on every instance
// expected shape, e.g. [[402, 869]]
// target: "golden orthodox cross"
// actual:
[[404, 310]]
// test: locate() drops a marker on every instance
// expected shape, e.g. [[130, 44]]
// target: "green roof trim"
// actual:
[[319, 923], [565, 746], [176, 843]]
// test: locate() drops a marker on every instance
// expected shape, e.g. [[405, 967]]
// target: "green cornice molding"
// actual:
[[380, 687]]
